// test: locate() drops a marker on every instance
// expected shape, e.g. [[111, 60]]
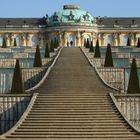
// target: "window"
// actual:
[[109, 39], [34, 41]]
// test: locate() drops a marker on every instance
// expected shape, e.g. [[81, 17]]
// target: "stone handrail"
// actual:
[[30, 76], [46, 74], [32, 100], [96, 70], [114, 99]]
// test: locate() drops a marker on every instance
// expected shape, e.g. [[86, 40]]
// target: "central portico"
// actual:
[[71, 25]]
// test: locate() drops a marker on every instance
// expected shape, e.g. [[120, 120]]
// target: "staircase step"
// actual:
[[74, 127], [113, 136], [73, 104]]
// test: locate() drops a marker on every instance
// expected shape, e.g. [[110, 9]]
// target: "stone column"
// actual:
[[60, 38], [119, 39], [12, 40], [101, 39], [115, 39], [94, 38], [40, 40], [8, 40], [78, 36], [82, 39], [65, 40], [137, 36], [28, 39], [24, 40], [132, 39]]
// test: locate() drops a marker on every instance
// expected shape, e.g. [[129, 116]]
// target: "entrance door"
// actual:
[[71, 40]]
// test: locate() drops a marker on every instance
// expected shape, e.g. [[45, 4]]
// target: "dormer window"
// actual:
[[55, 17], [87, 17], [71, 16]]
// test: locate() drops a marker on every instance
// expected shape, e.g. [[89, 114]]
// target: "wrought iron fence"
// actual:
[[32, 77], [11, 109]]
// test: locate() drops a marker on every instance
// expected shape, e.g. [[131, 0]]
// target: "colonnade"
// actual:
[[27, 39], [78, 37], [117, 39]]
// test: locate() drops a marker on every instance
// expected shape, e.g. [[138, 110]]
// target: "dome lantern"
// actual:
[[76, 7]]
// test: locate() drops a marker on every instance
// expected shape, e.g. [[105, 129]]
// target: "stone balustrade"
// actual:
[[130, 107]]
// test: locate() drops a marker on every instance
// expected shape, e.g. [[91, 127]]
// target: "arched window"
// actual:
[[87, 37], [18, 40], [124, 40], [109, 39], [34, 41]]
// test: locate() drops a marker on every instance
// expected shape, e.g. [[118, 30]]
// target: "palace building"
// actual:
[[70, 26]]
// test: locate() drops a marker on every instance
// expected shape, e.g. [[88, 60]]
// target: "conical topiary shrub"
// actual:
[[37, 59], [4, 43], [97, 50], [47, 52], [128, 42], [15, 42], [52, 46], [138, 43], [91, 49], [17, 85], [108, 57], [133, 84], [87, 43], [55, 43]]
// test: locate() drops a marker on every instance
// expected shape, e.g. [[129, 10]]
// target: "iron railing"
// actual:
[[11, 109]]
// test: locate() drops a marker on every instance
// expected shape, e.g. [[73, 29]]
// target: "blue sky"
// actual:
[[39, 8]]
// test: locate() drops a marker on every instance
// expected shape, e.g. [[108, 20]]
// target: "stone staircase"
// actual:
[[73, 104]]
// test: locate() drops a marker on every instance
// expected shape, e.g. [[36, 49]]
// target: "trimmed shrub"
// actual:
[[91, 49], [47, 52], [138, 43], [97, 50], [87, 43], [133, 85], [4, 43], [37, 59], [15, 42], [128, 42], [55, 43], [17, 85], [52, 46], [108, 57]]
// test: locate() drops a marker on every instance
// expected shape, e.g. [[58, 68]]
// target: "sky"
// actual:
[[39, 8]]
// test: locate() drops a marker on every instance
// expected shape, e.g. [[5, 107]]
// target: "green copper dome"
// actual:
[[71, 14]]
